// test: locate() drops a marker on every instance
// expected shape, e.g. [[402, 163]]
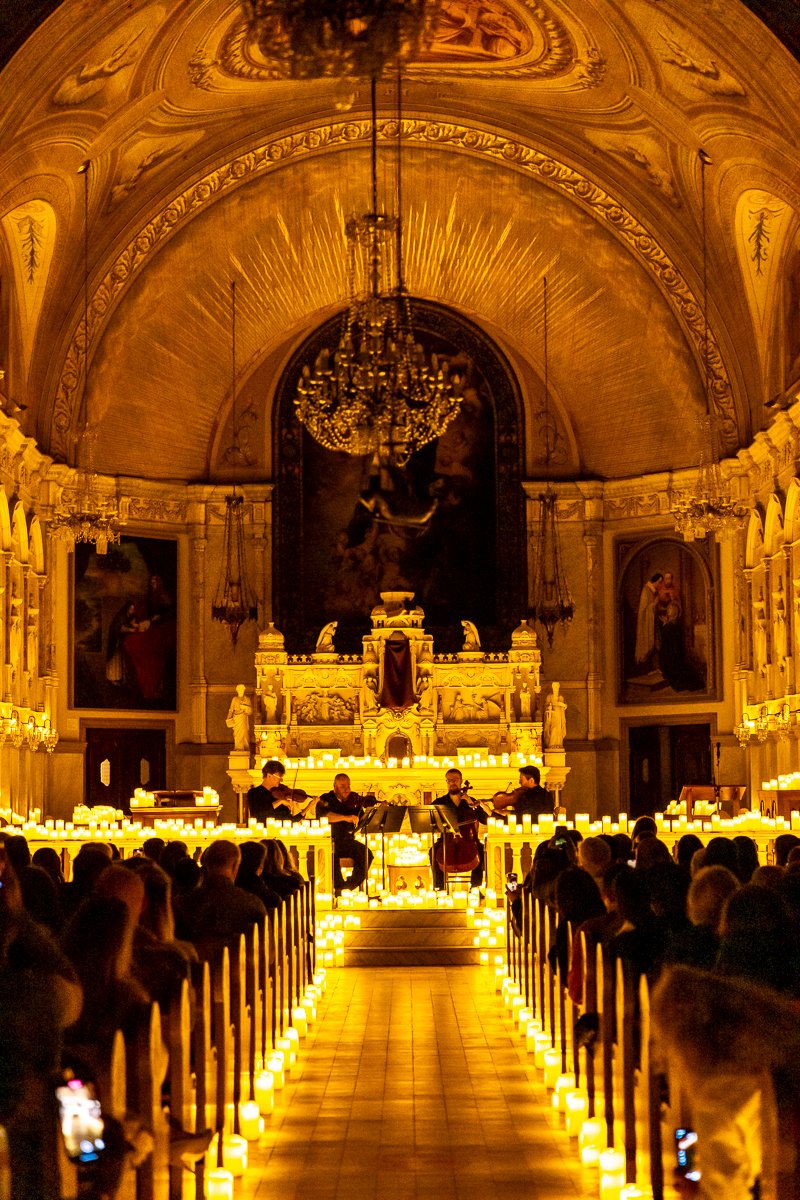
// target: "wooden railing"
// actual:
[[620, 1081], [208, 1049]]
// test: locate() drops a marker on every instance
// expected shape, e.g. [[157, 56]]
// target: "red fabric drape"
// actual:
[[398, 684]]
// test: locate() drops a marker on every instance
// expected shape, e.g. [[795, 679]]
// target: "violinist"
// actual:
[[272, 798], [343, 808], [529, 798], [462, 810]]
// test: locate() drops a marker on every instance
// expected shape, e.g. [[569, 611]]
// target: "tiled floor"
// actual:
[[412, 1087]]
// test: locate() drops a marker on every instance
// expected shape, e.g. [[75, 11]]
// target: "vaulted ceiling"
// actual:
[[539, 138]]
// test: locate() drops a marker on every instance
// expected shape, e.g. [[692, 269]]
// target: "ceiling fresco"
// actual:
[[539, 138]]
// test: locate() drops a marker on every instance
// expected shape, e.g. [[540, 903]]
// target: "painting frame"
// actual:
[[124, 626], [666, 620]]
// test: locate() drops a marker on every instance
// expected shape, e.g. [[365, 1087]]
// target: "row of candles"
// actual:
[[270, 1078], [567, 1097], [141, 798], [329, 760]]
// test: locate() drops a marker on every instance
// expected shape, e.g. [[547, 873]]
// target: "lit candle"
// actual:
[[633, 1191], [552, 1067], [542, 1042], [576, 1107], [564, 1084], [265, 1092], [591, 1140], [293, 1039], [300, 1021], [532, 1031], [275, 1064], [612, 1174], [219, 1185], [250, 1120]]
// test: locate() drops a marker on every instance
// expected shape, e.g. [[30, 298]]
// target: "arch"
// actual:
[[19, 533], [754, 540], [36, 539], [791, 524], [331, 560], [773, 526], [5, 522]]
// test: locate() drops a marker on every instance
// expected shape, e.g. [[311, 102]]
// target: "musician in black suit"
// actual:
[[461, 810], [343, 808]]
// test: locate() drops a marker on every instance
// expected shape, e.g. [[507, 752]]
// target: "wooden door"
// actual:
[[120, 760], [644, 759]]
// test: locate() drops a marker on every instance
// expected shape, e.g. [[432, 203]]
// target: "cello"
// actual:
[[457, 853]]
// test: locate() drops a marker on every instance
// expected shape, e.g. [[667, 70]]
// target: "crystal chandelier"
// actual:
[[710, 508], [552, 602], [85, 512], [377, 392], [306, 39], [234, 601]]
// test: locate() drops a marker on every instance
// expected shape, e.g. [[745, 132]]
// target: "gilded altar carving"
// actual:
[[469, 699], [456, 137]]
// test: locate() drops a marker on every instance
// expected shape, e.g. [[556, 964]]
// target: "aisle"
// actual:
[[415, 1089]]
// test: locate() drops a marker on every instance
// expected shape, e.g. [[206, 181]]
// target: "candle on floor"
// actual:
[[612, 1174], [300, 1021], [564, 1084], [576, 1106], [265, 1092], [552, 1067], [289, 1056], [219, 1185], [633, 1191], [234, 1155], [533, 1028], [542, 1042], [591, 1140], [275, 1064], [250, 1120]]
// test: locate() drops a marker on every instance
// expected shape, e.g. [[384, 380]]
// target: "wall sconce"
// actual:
[[32, 733], [744, 732], [783, 721], [15, 729], [762, 724], [48, 736]]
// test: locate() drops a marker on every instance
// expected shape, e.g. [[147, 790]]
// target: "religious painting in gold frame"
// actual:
[[667, 626]]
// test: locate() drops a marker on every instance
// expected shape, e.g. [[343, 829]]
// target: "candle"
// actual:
[[517, 1005], [250, 1120], [542, 1042], [219, 1185], [532, 1031], [633, 1191], [564, 1084], [300, 1021], [275, 1064], [552, 1067], [576, 1106], [590, 1140], [265, 1092], [293, 1038], [612, 1174]]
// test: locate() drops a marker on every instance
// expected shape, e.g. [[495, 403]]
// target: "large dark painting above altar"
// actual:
[[447, 527]]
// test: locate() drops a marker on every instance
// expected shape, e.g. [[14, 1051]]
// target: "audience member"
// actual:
[[793, 861], [186, 876], [250, 874], [50, 860], [643, 826], [759, 940], [39, 997], [217, 910], [638, 941], [649, 851], [623, 847], [577, 899], [709, 891], [41, 897], [88, 865], [160, 961], [276, 872], [174, 853], [768, 876], [784, 844], [153, 848], [685, 848], [17, 852], [746, 857], [721, 852], [594, 855]]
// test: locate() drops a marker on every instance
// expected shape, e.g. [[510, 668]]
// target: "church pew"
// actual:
[[146, 1068], [178, 1035]]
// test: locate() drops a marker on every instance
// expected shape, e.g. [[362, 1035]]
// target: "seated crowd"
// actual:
[[81, 959], [718, 937]]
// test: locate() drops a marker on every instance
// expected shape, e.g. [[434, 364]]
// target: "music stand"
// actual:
[[424, 819]]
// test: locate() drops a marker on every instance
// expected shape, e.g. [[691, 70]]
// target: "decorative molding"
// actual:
[[450, 137], [705, 74]]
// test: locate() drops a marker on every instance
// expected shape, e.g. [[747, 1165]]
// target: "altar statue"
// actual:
[[525, 702], [555, 719], [472, 639], [270, 705], [325, 640], [238, 719]]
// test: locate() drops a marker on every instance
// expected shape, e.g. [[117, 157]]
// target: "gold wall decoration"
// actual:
[[334, 702], [445, 136]]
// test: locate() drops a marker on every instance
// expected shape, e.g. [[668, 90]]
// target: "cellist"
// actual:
[[463, 811]]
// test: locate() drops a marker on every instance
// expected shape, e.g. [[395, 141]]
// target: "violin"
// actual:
[[295, 798], [509, 798]]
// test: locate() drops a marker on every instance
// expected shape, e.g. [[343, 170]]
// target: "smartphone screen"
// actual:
[[686, 1153], [81, 1120], [512, 882]]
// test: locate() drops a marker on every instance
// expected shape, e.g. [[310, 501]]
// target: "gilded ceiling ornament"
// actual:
[[32, 236], [705, 74], [485, 38], [90, 78], [452, 138], [154, 158]]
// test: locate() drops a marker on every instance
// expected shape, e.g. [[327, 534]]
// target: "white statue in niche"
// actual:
[[270, 706], [525, 702], [472, 639], [325, 640], [238, 719], [555, 719], [779, 628]]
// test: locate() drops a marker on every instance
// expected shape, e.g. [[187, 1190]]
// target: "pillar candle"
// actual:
[[564, 1084], [289, 1056], [219, 1185], [590, 1140], [250, 1120], [300, 1021], [534, 1029], [633, 1191], [552, 1067], [576, 1106], [542, 1042], [265, 1092], [612, 1174], [275, 1065]]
